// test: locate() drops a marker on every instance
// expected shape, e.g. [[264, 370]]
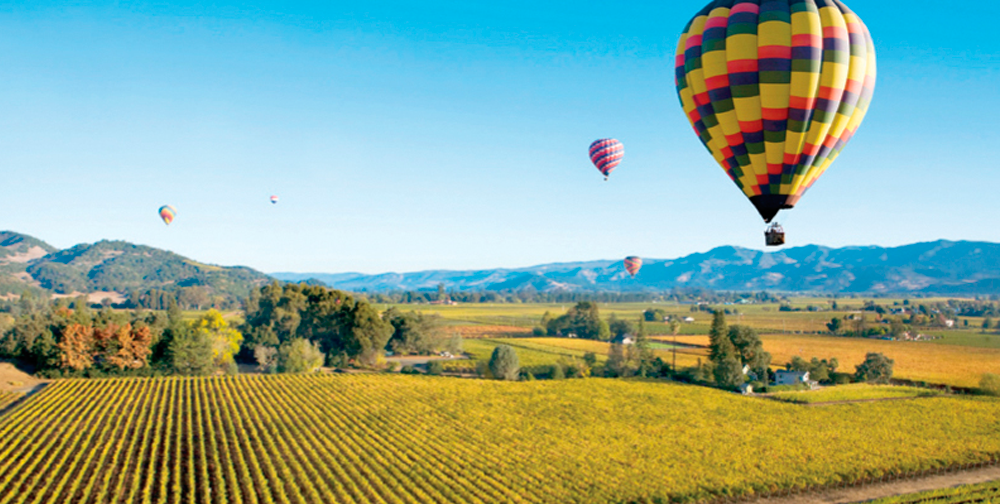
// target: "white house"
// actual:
[[688, 319], [625, 339], [783, 377], [746, 389]]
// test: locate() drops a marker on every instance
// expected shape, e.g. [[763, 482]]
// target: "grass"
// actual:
[[853, 392], [983, 493], [413, 439]]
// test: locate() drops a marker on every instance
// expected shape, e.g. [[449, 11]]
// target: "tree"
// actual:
[[618, 363], [619, 327], [225, 340], [835, 324], [190, 352], [716, 335], [728, 370], [654, 314], [583, 320], [897, 328], [990, 384], [750, 349], [299, 356], [76, 347], [675, 326], [368, 334], [413, 332], [876, 368], [122, 347], [503, 363], [987, 323], [267, 358], [643, 350]]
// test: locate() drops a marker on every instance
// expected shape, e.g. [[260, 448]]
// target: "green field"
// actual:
[[853, 392], [389, 438]]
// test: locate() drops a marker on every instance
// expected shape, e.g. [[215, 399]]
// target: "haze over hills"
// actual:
[[27, 263], [940, 267]]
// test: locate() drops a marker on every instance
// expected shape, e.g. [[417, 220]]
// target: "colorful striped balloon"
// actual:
[[606, 153], [274, 200], [167, 213], [632, 265], [775, 89]]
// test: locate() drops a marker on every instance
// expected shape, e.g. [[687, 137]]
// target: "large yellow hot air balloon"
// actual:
[[775, 89]]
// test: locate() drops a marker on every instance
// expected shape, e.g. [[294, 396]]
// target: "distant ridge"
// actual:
[[940, 267]]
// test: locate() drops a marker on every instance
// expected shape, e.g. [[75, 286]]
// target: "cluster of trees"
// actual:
[[581, 321], [531, 295], [339, 326], [733, 350], [68, 338], [414, 333], [823, 371]]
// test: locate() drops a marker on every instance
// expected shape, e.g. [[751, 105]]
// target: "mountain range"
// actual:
[[940, 267], [123, 269]]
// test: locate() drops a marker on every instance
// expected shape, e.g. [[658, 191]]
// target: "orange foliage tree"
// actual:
[[76, 349], [123, 347]]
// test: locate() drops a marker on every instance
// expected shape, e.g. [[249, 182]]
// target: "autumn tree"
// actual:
[[225, 340], [76, 347]]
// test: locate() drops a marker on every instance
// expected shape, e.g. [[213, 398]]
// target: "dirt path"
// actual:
[[867, 493], [13, 379]]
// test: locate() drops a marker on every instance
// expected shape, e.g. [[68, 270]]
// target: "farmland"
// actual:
[[8, 398], [853, 392], [392, 438]]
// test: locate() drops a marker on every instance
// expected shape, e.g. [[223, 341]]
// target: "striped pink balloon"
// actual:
[[606, 153]]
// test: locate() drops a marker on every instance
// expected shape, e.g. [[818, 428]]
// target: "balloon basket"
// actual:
[[775, 235]]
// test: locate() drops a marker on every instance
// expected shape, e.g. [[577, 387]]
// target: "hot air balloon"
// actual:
[[274, 200], [606, 153], [167, 213], [632, 265], [775, 89]]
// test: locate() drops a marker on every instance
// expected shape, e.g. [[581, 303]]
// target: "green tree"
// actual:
[[368, 334], [583, 320], [190, 352], [619, 327], [299, 356], [987, 323], [835, 325], [503, 363], [728, 370], [413, 332], [716, 335], [643, 350], [750, 349], [876, 368]]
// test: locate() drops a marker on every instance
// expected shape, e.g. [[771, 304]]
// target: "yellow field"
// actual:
[[414, 439], [920, 361], [854, 392]]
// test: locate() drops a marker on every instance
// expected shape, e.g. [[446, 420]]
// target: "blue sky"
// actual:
[[416, 135]]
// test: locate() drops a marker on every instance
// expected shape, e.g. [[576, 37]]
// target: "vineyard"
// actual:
[[983, 493], [8, 398], [399, 439]]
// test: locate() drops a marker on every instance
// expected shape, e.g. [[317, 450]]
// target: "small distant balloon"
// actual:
[[606, 154], [632, 265], [167, 213], [274, 200]]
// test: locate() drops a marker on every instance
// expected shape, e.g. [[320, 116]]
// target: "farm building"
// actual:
[[783, 377], [625, 339]]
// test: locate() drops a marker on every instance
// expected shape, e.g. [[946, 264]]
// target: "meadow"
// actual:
[[392, 438]]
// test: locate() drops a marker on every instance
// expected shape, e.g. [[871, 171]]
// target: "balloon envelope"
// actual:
[[632, 265], [274, 199], [775, 89], [606, 154], [167, 213]]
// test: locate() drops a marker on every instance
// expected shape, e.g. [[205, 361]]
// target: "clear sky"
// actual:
[[417, 135]]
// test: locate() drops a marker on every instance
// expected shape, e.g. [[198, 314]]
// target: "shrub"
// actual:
[[299, 356], [435, 367], [503, 363], [557, 372], [409, 370], [990, 384], [393, 366], [537, 331]]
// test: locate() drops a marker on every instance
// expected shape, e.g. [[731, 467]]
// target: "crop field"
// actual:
[[954, 365], [8, 398], [853, 392], [411, 439], [982, 493]]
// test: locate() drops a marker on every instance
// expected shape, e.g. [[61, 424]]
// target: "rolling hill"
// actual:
[[940, 267], [112, 266]]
